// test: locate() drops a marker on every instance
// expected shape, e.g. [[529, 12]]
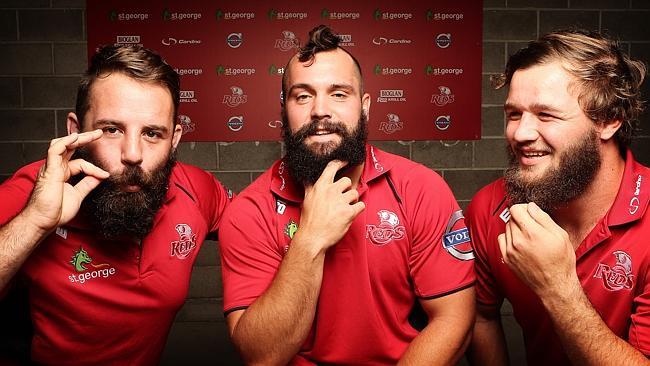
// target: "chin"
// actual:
[[323, 148]]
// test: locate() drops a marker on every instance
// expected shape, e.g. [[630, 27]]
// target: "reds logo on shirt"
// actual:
[[387, 230], [619, 276], [182, 248]]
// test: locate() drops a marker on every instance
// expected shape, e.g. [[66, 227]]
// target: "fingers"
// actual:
[[541, 217], [358, 208], [63, 147], [503, 247], [330, 170], [87, 184], [82, 166], [351, 196]]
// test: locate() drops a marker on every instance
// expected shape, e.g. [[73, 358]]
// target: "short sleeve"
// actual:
[[15, 191], [477, 219], [639, 332], [441, 258], [249, 253]]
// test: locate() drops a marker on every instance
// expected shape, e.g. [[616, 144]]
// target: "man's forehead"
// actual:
[[338, 62]]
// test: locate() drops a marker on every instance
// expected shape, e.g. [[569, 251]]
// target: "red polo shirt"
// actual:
[[410, 242], [612, 265], [94, 301]]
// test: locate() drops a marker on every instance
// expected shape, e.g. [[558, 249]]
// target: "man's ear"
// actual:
[[176, 138], [72, 123], [608, 129], [365, 104]]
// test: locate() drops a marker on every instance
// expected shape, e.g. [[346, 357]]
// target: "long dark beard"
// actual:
[[577, 169], [305, 165], [115, 213]]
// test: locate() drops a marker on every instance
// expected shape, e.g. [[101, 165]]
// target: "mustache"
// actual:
[[130, 175], [316, 124]]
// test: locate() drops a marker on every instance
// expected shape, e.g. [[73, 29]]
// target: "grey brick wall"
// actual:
[[42, 43]]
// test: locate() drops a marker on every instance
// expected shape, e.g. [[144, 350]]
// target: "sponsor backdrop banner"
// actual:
[[421, 60]]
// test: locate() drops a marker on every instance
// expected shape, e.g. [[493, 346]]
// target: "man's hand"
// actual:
[[54, 202], [537, 250], [328, 209]]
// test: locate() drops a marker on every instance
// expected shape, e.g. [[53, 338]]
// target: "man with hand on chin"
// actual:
[[326, 255], [563, 236], [103, 233]]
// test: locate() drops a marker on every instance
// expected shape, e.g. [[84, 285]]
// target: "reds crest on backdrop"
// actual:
[[421, 60]]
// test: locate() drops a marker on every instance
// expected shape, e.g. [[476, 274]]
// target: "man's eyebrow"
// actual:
[[300, 86], [310, 88], [534, 106], [342, 86], [109, 122]]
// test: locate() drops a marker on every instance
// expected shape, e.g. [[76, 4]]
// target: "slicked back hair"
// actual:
[[134, 61], [608, 81]]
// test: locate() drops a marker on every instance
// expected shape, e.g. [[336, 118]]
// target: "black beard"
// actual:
[[577, 169], [115, 213], [305, 165]]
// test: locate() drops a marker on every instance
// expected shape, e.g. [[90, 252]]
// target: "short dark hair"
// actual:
[[608, 80], [133, 61], [321, 39]]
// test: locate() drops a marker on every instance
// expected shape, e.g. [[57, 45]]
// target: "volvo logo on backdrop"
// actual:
[[235, 123], [443, 40], [443, 122], [234, 40]]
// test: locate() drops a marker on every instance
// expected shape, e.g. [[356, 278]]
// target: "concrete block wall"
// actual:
[[43, 53]]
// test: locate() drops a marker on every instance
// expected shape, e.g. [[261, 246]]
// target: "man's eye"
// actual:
[[513, 116], [111, 130], [153, 134]]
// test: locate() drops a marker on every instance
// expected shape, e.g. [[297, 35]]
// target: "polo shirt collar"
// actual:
[[376, 164], [633, 194]]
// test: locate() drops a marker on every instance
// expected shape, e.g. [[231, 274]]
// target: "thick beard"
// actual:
[[115, 213], [577, 169], [305, 165]]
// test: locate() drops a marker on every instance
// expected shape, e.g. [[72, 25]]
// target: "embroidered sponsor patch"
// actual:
[[290, 229], [186, 243], [388, 229], [86, 270], [455, 237], [456, 242], [618, 276]]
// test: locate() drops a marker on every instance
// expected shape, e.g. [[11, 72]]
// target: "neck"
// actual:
[[579, 216]]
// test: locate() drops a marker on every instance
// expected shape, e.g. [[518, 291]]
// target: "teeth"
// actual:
[[534, 154]]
